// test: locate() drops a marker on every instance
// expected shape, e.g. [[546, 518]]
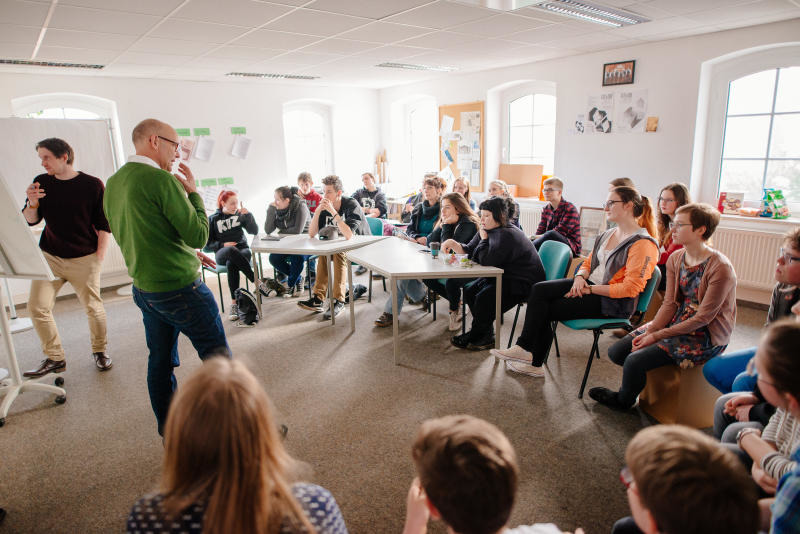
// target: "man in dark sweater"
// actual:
[[346, 216], [371, 198], [159, 220], [74, 243]]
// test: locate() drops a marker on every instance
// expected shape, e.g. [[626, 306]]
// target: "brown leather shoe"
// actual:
[[102, 361], [47, 366]]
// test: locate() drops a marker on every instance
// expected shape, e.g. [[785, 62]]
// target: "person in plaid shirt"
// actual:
[[560, 219]]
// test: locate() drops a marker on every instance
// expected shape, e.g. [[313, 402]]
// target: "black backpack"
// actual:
[[248, 309]]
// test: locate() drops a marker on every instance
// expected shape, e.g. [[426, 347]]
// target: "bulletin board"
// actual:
[[461, 147]]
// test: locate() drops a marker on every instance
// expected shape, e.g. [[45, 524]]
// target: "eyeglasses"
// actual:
[[626, 477], [751, 371], [675, 225], [610, 203], [787, 258], [662, 199], [170, 141], [549, 190]]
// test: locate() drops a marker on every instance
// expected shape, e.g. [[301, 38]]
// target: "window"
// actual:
[[63, 113], [307, 136], [761, 148], [532, 130], [422, 139]]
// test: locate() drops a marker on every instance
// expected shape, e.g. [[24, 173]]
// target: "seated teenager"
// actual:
[[459, 223], [778, 369], [498, 188], [680, 481], [288, 214], [226, 238], [423, 219], [607, 284], [467, 477], [371, 198], [696, 319], [726, 372], [225, 468], [305, 186], [343, 213], [416, 199], [497, 244], [461, 185], [560, 219]]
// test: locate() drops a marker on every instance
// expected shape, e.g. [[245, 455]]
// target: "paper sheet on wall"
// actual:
[[447, 175], [187, 146], [475, 178], [241, 146], [632, 109], [210, 195], [447, 126], [600, 113], [203, 149]]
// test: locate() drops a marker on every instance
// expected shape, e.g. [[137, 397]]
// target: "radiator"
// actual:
[[113, 263], [752, 254], [529, 218]]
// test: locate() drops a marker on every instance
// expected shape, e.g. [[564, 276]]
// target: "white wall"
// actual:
[[669, 70], [218, 106]]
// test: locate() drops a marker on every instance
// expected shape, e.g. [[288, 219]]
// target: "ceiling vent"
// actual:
[[272, 76], [411, 66], [49, 64], [584, 11]]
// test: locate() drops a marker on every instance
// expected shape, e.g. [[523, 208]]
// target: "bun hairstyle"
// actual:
[[502, 209], [642, 208], [223, 197]]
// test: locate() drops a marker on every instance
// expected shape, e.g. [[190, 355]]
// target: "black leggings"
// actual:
[[450, 289], [480, 298], [236, 260], [635, 366], [547, 304]]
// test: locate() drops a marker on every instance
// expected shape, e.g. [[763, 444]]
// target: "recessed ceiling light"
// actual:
[[270, 75], [584, 11], [411, 66], [49, 64]]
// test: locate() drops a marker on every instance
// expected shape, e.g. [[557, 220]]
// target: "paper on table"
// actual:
[[447, 125], [241, 146], [205, 145]]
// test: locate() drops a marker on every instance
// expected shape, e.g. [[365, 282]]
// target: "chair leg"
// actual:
[[432, 302], [369, 296], [221, 295], [554, 325], [513, 326], [384, 285], [463, 313], [308, 276], [596, 334]]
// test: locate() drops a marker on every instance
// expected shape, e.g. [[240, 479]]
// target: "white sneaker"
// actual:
[[455, 320], [515, 353], [525, 369], [233, 314]]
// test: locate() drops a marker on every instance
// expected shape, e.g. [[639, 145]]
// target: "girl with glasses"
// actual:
[[670, 199]]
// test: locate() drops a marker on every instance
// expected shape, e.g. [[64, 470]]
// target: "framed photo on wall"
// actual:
[[620, 73]]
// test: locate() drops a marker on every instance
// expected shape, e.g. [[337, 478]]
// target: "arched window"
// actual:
[[308, 140], [761, 146], [422, 138], [532, 130]]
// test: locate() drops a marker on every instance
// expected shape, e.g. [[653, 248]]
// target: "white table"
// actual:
[[308, 246], [400, 259]]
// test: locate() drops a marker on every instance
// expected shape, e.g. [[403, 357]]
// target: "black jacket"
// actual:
[[511, 250], [371, 199], [351, 213], [422, 211], [462, 231], [223, 228]]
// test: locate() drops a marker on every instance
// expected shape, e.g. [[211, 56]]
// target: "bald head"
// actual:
[[156, 140], [147, 128]]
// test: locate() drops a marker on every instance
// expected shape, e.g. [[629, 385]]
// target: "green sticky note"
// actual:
[[202, 131], [227, 180], [184, 132], [206, 182], [238, 130]]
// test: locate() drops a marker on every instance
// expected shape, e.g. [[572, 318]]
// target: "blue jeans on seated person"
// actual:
[[289, 264], [726, 372], [414, 289], [191, 310]]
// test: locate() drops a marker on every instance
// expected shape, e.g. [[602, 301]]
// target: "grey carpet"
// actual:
[[351, 412]]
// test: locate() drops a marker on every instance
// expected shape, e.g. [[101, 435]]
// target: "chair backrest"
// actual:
[[649, 289], [375, 225], [555, 257]]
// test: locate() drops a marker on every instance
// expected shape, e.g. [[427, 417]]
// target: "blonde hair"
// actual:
[[502, 185], [465, 182], [222, 446], [554, 181]]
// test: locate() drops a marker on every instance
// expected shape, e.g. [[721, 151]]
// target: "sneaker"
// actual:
[[338, 306], [514, 354], [361, 270], [462, 340], [276, 286], [233, 314], [525, 369], [455, 320], [263, 288], [484, 343], [384, 320], [313, 304], [608, 398]]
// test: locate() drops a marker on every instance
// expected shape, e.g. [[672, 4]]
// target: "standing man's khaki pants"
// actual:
[[84, 275]]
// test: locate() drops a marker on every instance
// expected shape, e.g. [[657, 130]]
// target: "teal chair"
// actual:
[[375, 228], [598, 325], [555, 257], [218, 270]]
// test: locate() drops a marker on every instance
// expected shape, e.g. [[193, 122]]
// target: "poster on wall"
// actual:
[[469, 147], [600, 113], [632, 106]]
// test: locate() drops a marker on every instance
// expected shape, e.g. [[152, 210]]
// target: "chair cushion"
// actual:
[[221, 269], [596, 324]]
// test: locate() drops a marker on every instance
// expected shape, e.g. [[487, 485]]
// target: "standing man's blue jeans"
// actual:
[[190, 310], [726, 372]]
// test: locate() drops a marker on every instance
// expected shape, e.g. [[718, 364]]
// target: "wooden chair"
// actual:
[[674, 395]]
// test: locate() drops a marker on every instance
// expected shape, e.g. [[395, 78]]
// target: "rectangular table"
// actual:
[[399, 259], [308, 246]]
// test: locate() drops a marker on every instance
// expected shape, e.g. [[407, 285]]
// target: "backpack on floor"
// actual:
[[248, 309]]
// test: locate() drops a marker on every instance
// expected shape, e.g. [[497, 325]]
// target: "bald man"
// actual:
[[159, 220]]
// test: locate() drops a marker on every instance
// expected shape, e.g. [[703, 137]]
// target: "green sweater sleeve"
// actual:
[[186, 215]]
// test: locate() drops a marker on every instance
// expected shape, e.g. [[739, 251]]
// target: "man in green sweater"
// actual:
[[159, 220]]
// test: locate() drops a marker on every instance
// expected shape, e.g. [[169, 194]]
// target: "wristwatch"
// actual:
[[743, 432]]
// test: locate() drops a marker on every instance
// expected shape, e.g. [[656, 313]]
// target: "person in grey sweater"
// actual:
[[289, 215]]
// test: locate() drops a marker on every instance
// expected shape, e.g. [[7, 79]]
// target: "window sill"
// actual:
[[761, 224]]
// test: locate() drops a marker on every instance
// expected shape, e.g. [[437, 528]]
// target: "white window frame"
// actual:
[[412, 107], [513, 93], [324, 110], [106, 109]]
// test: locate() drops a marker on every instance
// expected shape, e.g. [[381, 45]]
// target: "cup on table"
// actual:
[[435, 248]]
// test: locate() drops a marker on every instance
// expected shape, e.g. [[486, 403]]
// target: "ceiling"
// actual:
[[340, 41]]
